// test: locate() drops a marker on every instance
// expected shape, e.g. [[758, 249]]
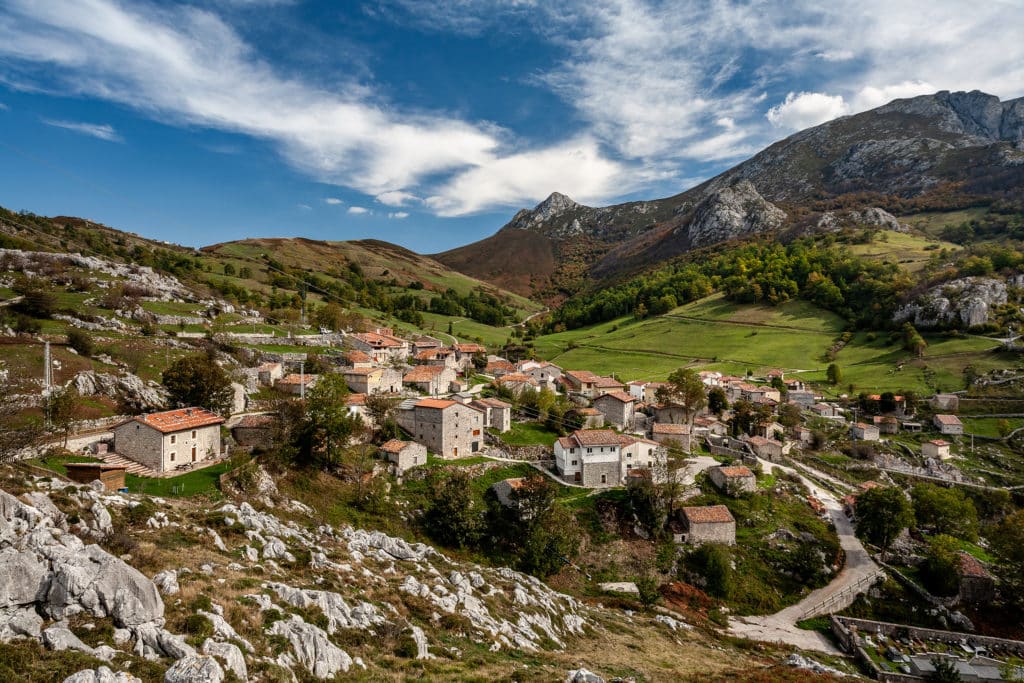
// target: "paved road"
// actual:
[[781, 626]]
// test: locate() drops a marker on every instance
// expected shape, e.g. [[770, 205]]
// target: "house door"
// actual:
[[193, 454], [455, 452], [578, 477]]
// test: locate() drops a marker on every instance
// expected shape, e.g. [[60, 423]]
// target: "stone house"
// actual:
[[769, 430], [708, 524], [641, 454], [862, 431], [794, 385], [547, 375], [827, 411], [948, 424], [163, 441], [886, 424], [268, 373], [936, 448], [505, 489], [517, 382], [356, 405], [381, 345], [733, 480], [442, 356], [801, 397], [464, 354], [679, 433], [803, 435], [590, 418], [296, 384], [617, 408], [499, 366], [591, 457], [424, 342], [948, 403], [497, 413], [430, 379], [589, 385], [769, 449], [404, 454], [254, 430], [707, 424], [373, 380], [447, 428], [976, 585]]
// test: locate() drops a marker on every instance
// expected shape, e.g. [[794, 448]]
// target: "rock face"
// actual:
[[554, 206], [101, 675], [312, 647], [195, 669], [965, 302], [126, 387], [732, 212], [872, 216]]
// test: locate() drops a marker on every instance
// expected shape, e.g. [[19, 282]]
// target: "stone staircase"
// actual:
[[130, 466]]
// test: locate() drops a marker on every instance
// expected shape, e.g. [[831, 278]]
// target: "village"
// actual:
[[713, 440]]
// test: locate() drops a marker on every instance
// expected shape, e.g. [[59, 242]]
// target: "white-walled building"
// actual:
[[163, 441]]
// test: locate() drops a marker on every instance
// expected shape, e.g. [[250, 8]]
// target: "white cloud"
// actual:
[[102, 131], [835, 55], [186, 66], [3, 107], [576, 168], [397, 198], [304, 207], [870, 97], [358, 210], [398, 215], [806, 109], [333, 201]]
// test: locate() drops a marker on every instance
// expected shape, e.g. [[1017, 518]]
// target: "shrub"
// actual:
[[81, 341]]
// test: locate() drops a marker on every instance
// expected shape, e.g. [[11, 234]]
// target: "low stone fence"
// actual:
[[499, 449], [841, 629]]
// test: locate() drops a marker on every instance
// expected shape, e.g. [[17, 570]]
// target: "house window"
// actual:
[[172, 456], [574, 463], [174, 438], [590, 450], [604, 478], [193, 433], [629, 455]]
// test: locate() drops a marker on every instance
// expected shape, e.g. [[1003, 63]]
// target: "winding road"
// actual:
[[856, 576]]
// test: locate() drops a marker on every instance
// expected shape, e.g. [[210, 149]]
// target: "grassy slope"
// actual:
[[716, 334], [911, 252]]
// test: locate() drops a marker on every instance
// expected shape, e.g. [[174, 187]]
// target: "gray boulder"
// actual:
[[101, 675], [966, 301], [195, 669], [312, 648], [59, 637], [167, 582], [581, 675], [23, 578], [230, 654], [19, 622]]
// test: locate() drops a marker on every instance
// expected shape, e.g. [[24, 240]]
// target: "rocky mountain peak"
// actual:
[[731, 212], [554, 206], [973, 113]]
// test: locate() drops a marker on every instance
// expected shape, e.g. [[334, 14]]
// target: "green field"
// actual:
[[529, 434], [715, 334], [911, 252]]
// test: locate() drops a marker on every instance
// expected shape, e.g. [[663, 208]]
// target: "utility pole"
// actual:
[[303, 295], [302, 379], [47, 383]]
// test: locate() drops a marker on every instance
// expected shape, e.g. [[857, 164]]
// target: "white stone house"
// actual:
[[862, 431], [707, 524], [404, 454], [268, 373], [936, 448], [430, 379], [679, 433], [497, 413], [381, 345], [373, 380], [591, 457], [163, 441], [617, 408], [948, 424], [447, 428]]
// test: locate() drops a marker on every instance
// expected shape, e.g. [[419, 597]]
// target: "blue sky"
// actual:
[[428, 123]]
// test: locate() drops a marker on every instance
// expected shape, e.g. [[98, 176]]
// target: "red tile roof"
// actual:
[[423, 373], [492, 403], [709, 514], [735, 471], [296, 378], [395, 445], [437, 403], [596, 437], [255, 421], [356, 356], [470, 348], [948, 420], [663, 428], [938, 442], [619, 396], [180, 419], [607, 383]]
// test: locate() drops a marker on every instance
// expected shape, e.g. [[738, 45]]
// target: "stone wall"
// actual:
[[593, 471], [712, 532], [139, 443]]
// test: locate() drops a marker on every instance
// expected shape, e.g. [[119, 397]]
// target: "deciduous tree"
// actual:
[[881, 514], [199, 381]]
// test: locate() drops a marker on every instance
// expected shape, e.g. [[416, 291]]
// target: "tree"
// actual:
[[199, 381], [381, 410], [229, 269], [743, 416], [887, 402], [944, 671], [714, 563], [1007, 540], [326, 426], [789, 415], [61, 408], [939, 571], [646, 505], [329, 316], [1004, 427], [717, 400], [37, 297], [452, 516], [684, 389], [945, 510], [833, 374], [913, 341], [881, 514]]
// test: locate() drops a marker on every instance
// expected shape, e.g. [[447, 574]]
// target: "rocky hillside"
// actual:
[[266, 590], [928, 149]]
